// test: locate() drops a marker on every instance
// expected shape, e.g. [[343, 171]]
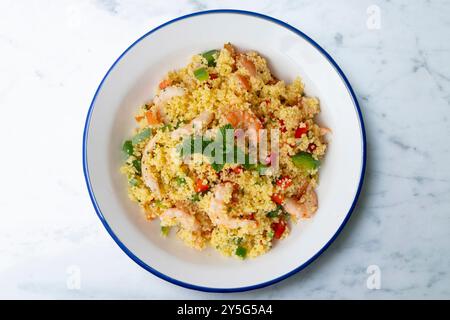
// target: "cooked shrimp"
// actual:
[[168, 93], [175, 216], [201, 121], [245, 120], [217, 209], [244, 81], [324, 131], [247, 64], [163, 96], [231, 49], [302, 210], [164, 84], [147, 176]]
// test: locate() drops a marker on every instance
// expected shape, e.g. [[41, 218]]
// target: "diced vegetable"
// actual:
[[237, 170], [201, 74], [312, 147], [137, 165], [164, 84], [261, 168], [241, 252], [165, 230], [217, 166], [159, 204], [300, 131], [141, 136], [284, 182], [180, 180], [200, 186], [270, 234], [305, 161], [151, 118], [195, 197], [134, 182], [282, 126], [274, 213], [138, 118], [278, 229], [128, 147], [209, 56], [278, 198]]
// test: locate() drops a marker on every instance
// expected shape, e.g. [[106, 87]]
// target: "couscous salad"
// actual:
[[226, 154]]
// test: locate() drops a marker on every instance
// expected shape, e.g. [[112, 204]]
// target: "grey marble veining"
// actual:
[[53, 61]]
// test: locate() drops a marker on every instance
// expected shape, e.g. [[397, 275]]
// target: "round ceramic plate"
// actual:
[[131, 81]]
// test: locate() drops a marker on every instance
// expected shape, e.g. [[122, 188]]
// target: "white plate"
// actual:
[[131, 81]]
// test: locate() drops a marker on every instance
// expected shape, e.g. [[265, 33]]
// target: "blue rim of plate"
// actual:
[[263, 284]]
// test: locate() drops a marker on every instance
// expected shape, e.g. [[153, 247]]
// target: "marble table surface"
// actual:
[[396, 55]]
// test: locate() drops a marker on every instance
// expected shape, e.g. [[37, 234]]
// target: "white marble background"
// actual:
[[53, 56]]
